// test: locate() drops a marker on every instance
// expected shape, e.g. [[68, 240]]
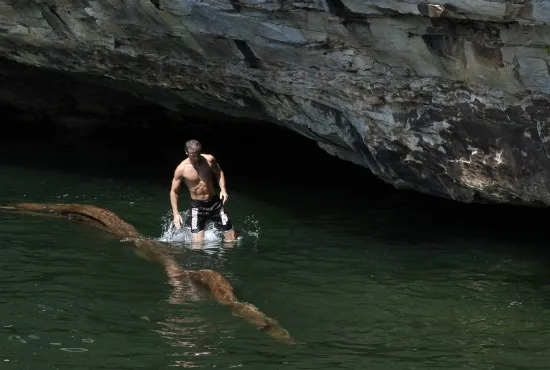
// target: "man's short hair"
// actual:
[[192, 147]]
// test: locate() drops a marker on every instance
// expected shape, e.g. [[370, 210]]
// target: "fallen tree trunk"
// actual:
[[219, 287]]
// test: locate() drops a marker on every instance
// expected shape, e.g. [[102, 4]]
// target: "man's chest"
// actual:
[[203, 172]]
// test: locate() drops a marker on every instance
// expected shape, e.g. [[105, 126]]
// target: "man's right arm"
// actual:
[[174, 191], [176, 184]]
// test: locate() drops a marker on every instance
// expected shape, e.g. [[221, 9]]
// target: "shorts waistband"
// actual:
[[203, 203]]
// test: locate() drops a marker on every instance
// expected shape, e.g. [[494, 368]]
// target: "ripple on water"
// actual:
[[17, 338], [75, 350]]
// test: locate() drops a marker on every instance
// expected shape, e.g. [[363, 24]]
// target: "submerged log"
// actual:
[[220, 288]]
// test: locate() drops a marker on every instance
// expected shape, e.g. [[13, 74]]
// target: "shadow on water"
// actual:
[[276, 167]]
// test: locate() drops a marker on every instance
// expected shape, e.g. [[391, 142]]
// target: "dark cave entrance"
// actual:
[[53, 120], [56, 120]]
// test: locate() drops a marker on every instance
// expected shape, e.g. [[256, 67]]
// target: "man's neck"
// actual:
[[197, 164]]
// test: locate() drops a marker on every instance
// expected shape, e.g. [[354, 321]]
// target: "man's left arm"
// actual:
[[221, 179]]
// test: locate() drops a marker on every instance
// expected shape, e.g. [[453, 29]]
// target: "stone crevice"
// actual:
[[156, 3], [55, 21], [250, 58], [236, 5]]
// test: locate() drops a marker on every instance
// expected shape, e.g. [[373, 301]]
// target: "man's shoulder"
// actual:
[[182, 165], [208, 157]]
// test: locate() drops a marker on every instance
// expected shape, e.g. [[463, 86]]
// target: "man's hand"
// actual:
[[223, 196], [178, 221]]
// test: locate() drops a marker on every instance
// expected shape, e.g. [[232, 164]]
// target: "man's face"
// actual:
[[194, 157]]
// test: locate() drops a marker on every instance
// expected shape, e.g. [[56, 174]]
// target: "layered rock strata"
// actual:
[[449, 99]]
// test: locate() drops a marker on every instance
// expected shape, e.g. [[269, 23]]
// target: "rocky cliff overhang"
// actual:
[[448, 99]]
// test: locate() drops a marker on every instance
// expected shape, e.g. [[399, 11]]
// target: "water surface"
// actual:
[[366, 277]]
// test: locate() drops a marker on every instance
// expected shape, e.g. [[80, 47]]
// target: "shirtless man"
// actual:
[[197, 171]]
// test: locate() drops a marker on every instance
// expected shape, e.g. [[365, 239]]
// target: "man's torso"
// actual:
[[199, 179]]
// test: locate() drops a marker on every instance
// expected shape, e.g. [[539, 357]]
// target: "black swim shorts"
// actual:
[[202, 211]]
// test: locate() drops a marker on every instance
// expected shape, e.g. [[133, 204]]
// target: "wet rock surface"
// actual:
[[446, 99]]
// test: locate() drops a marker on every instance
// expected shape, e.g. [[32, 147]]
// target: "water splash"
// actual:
[[183, 235], [251, 227], [213, 239]]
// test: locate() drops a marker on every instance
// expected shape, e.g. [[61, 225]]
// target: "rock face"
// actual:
[[448, 99]]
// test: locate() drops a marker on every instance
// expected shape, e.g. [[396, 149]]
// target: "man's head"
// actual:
[[193, 151]]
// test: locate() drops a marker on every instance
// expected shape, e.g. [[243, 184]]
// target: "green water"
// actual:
[[366, 278]]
